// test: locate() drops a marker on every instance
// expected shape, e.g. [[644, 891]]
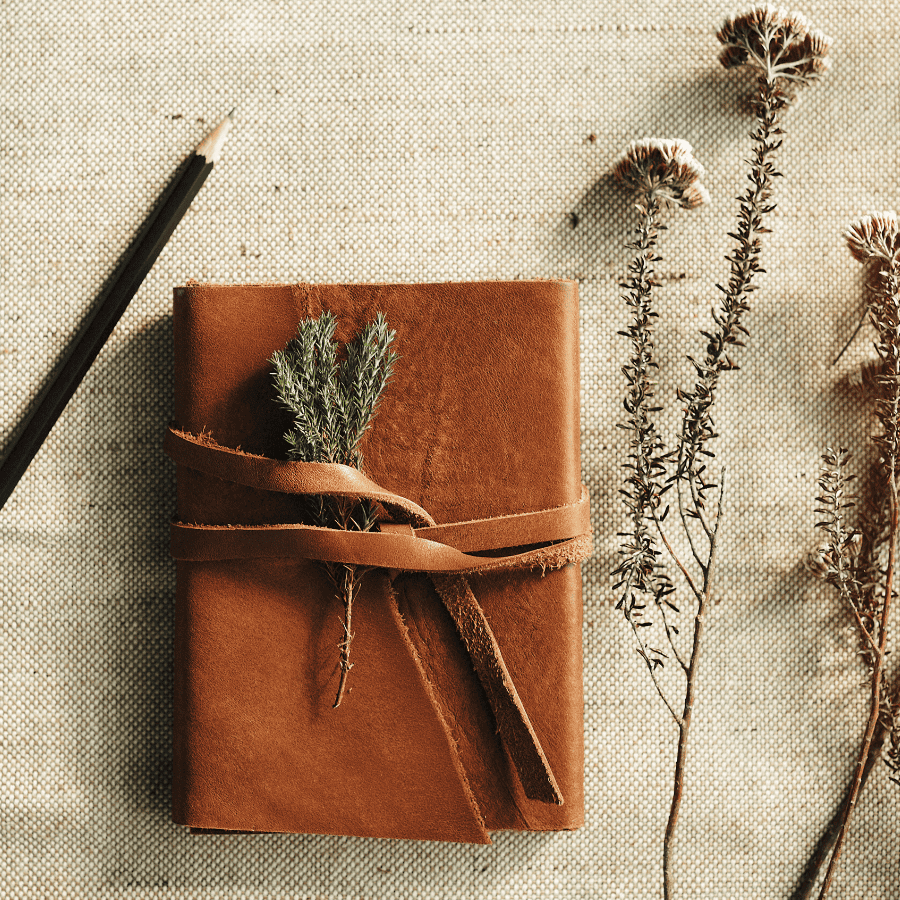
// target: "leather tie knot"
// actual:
[[408, 541]]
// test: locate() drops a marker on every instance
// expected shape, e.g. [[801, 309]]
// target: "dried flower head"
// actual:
[[875, 236], [776, 42], [664, 170]]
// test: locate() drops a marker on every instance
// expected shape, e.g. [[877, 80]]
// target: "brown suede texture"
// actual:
[[478, 421]]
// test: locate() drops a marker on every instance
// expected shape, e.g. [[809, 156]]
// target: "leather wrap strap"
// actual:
[[385, 549], [200, 452], [410, 541]]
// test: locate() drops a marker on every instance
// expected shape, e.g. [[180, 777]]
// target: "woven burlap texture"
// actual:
[[419, 141]]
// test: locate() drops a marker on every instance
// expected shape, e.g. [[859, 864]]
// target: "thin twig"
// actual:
[[874, 712], [863, 630], [348, 589], [668, 628], [698, 506], [652, 669], [684, 522], [690, 694], [675, 558]]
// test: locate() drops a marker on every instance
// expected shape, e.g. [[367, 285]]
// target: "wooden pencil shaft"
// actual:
[[111, 281], [114, 300]]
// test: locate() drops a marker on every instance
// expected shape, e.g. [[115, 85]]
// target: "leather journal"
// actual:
[[463, 712]]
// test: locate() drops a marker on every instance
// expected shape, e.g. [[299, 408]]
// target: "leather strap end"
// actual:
[[513, 724]]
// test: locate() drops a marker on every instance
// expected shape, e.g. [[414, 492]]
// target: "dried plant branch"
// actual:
[[670, 630], [682, 511], [333, 405], [825, 844], [662, 172], [689, 698], [837, 560], [755, 203], [785, 52], [861, 581]]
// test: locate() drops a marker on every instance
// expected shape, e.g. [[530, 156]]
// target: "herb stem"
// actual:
[[348, 589]]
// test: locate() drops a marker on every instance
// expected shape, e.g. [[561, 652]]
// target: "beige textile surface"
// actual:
[[417, 141]]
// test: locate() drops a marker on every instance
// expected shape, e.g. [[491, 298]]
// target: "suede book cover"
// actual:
[[464, 708]]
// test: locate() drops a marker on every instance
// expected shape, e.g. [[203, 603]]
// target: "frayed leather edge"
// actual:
[[574, 550]]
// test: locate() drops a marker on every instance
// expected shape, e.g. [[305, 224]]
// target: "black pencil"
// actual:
[[121, 286]]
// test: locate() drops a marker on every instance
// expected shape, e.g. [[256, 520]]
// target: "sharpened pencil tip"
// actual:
[[211, 145]]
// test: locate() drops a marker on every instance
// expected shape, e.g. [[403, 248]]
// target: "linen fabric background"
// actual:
[[421, 141]]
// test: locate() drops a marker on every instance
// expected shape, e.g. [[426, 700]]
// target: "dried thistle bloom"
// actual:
[[875, 236], [776, 42], [695, 195], [664, 170]]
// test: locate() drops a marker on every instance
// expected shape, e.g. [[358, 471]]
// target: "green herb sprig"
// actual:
[[333, 402]]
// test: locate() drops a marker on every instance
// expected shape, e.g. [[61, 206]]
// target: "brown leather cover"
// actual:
[[480, 420]]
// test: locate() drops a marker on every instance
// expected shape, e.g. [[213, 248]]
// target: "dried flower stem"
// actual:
[[684, 721], [876, 237], [874, 712], [697, 427], [641, 569], [664, 172], [647, 462]]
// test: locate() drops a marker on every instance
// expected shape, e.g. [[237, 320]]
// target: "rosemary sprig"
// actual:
[[333, 405]]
